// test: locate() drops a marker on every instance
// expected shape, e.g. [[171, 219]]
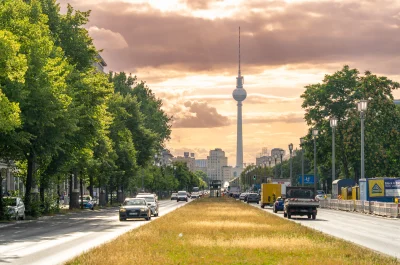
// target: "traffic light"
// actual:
[[254, 177]]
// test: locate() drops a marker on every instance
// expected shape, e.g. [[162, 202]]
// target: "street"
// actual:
[[374, 232], [60, 238]]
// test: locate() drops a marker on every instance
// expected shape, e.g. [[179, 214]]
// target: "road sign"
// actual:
[[308, 179]]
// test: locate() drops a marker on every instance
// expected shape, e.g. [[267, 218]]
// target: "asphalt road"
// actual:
[[58, 239], [374, 232]]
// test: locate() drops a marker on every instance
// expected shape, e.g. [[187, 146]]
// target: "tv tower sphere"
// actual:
[[239, 94]]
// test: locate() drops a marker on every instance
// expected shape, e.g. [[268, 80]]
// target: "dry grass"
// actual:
[[224, 231]]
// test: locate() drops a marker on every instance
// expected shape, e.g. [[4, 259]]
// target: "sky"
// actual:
[[187, 52]]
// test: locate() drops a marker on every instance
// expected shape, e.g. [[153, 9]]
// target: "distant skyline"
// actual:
[[186, 51]]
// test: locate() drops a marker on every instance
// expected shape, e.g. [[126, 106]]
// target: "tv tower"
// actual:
[[239, 94]]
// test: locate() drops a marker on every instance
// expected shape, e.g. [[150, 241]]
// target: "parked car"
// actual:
[[278, 205], [174, 196], [182, 196], [88, 202], [152, 202], [15, 207], [252, 197], [134, 208], [242, 196]]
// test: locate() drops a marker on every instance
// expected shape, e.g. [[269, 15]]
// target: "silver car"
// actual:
[[15, 207], [152, 202]]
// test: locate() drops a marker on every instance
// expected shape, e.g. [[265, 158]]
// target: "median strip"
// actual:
[[225, 231]]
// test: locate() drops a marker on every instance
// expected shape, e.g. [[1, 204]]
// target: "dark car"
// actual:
[[182, 196], [134, 208], [174, 196], [252, 197], [278, 205]]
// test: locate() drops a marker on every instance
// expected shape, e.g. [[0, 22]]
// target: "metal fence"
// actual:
[[377, 208]]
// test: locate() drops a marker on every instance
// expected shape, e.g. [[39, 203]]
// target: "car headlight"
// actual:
[[122, 210], [143, 209]]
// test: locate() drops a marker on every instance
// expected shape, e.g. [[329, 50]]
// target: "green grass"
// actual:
[[225, 231]]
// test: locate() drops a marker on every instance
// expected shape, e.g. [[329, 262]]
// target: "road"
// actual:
[[59, 238], [374, 232]]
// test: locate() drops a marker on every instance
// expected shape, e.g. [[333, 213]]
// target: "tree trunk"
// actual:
[[81, 189], [58, 192], [28, 184], [70, 191], [91, 184], [343, 156], [1, 197]]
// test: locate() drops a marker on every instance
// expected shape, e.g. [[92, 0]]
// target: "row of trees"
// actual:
[[337, 96], [61, 119]]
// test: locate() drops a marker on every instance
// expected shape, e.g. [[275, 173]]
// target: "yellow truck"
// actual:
[[269, 193]]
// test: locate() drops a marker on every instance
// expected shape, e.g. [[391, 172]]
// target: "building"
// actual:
[[99, 64], [10, 183], [239, 94], [166, 157], [226, 174], [189, 160], [201, 164], [215, 161]]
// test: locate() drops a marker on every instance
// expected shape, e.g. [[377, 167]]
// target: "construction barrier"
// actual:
[[376, 208]]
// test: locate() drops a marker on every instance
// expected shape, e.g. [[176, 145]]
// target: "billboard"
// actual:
[[376, 187], [392, 187], [308, 179]]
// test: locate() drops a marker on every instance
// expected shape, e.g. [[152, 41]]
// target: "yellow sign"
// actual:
[[376, 188]]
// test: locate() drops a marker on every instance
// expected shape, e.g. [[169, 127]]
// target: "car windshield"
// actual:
[[182, 193], [300, 193], [135, 202], [10, 201], [174, 194], [149, 199]]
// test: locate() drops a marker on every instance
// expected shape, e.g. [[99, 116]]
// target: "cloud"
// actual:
[[107, 39], [273, 34], [199, 115], [283, 118]]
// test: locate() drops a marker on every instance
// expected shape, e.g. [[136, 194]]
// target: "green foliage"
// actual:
[[337, 96]]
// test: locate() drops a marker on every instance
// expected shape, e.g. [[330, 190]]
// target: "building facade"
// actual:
[[188, 159], [226, 174], [201, 164], [215, 161]]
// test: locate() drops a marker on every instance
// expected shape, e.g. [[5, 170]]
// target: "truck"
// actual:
[[300, 201], [234, 191], [269, 193]]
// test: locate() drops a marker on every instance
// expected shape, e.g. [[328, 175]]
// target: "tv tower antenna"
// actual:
[[239, 54]]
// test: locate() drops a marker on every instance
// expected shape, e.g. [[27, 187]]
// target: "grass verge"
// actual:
[[224, 231]]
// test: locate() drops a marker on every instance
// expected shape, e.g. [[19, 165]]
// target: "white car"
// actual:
[[15, 207], [152, 202], [320, 195]]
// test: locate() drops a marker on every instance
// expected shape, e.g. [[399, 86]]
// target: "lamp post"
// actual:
[[269, 160], [302, 161], [315, 134], [333, 122], [362, 108], [276, 172], [290, 150], [281, 152]]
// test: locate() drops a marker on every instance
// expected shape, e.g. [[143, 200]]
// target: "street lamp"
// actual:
[[315, 134], [281, 152], [333, 122], [269, 160], [302, 161], [276, 173], [290, 150], [362, 108]]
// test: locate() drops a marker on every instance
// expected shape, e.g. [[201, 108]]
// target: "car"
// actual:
[[252, 197], [278, 205], [133, 208], [15, 207], [88, 202], [182, 196], [174, 196], [242, 196], [152, 202], [320, 195], [195, 195]]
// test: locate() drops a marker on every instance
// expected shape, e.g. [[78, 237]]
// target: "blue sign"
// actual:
[[308, 179], [392, 187]]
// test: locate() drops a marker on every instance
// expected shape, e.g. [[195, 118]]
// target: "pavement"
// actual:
[[57, 239], [374, 232]]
